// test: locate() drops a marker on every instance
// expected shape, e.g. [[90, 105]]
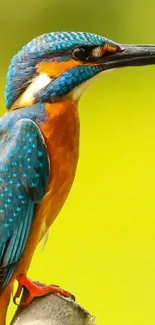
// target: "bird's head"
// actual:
[[57, 64]]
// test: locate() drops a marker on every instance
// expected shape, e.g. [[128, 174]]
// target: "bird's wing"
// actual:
[[24, 174]]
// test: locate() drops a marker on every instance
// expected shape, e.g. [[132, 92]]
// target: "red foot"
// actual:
[[37, 289]]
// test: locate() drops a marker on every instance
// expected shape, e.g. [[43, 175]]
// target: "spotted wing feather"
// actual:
[[24, 173]]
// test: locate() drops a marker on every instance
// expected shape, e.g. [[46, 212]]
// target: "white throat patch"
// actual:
[[37, 84], [79, 90]]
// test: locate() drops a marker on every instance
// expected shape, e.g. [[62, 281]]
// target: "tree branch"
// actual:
[[52, 310]]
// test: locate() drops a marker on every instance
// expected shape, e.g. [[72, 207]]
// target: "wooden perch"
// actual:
[[52, 310]]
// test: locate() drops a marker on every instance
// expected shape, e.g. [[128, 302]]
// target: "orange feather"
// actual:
[[55, 69]]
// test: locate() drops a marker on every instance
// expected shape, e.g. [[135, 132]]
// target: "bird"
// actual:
[[39, 142]]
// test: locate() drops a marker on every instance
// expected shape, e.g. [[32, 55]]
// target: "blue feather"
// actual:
[[66, 82]]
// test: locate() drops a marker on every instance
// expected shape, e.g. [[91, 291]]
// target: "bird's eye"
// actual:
[[81, 53]]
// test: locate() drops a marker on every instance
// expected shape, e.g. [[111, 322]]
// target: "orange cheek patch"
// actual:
[[56, 69], [109, 48]]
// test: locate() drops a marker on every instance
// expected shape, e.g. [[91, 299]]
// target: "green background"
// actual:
[[102, 246]]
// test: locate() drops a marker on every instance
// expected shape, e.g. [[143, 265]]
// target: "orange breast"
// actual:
[[61, 134]]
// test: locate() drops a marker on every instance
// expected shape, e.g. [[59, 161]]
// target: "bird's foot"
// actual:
[[37, 289]]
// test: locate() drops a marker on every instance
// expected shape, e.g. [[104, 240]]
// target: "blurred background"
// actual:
[[102, 246]]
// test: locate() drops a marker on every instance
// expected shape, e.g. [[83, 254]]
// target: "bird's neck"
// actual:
[[62, 119], [27, 98]]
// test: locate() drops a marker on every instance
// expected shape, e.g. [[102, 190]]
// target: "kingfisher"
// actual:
[[39, 142]]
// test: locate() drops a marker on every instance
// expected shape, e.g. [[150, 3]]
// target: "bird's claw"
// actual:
[[37, 289]]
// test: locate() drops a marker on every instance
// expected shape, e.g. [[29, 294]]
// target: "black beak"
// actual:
[[131, 55]]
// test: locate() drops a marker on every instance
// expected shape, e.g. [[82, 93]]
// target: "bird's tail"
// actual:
[[4, 302]]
